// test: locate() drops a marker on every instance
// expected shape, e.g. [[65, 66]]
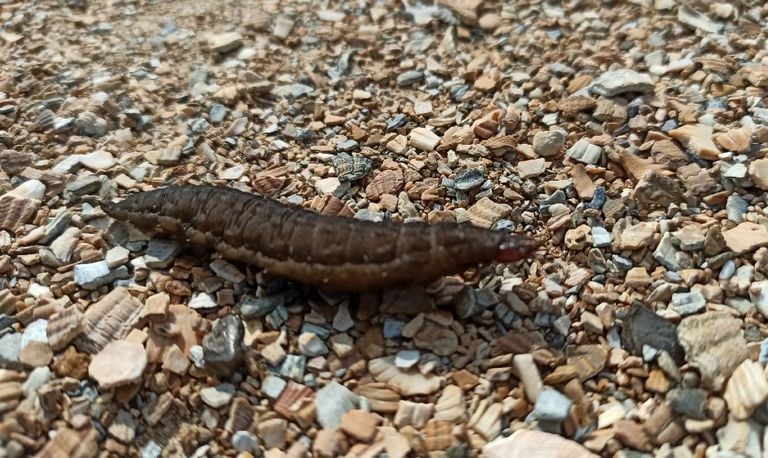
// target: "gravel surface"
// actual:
[[628, 136]]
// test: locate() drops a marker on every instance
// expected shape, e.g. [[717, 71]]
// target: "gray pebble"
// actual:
[[222, 345], [252, 308], [409, 78], [688, 303], [469, 179], [244, 441], [293, 367], [551, 405], [272, 386], [392, 328], [332, 402], [548, 144]]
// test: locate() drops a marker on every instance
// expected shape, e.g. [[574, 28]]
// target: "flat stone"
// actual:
[[36, 354], [691, 237], [688, 303], [632, 435], [601, 238], [655, 190], [667, 255], [311, 345], [252, 308], [423, 139], [342, 320], [218, 396], [638, 236], [746, 390], [244, 442], [585, 152], [272, 432], [451, 405], [487, 422], [548, 143], [526, 443], [551, 405], [643, 328], [407, 383], [440, 340], [736, 207], [224, 42], [63, 246], [531, 168], [222, 345], [273, 386], [740, 438], [528, 373], [117, 256], [611, 413], [469, 179], [406, 359], [690, 402], [202, 301], [96, 274], [615, 82], [329, 443], [697, 20], [161, 252], [121, 362], [109, 319], [38, 377], [360, 425], [175, 361], [415, 414], [332, 402], [227, 271], [713, 344], [698, 139], [98, 160], [746, 237]]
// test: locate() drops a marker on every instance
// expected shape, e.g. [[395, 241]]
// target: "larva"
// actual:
[[333, 252]]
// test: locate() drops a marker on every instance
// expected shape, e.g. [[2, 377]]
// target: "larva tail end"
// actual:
[[515, 248]]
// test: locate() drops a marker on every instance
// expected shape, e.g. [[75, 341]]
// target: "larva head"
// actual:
[[514, 248]]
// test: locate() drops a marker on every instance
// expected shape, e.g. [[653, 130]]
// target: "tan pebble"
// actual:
[[657, 381], [489, 21], [272, 433], [697, 137], [70, 363], [36, 354], [424, 139], [746, 237], [637, 277], [407, 383], [525, 444], [438, 435], [451, 405], [329, 443], [528, 373], [746, 389], [412, 413], [360, 425], [120, 363], [175, 361]]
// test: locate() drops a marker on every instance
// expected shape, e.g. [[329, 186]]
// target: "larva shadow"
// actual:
[[333, 253]]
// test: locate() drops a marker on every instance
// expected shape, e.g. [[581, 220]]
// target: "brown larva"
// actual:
[[332, 252]]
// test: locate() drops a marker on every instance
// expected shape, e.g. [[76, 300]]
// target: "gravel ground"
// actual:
[[628, 136]]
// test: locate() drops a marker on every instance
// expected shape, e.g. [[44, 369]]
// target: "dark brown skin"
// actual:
[[331, 252]]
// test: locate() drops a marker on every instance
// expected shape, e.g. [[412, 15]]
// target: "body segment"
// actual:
[[334, 252]]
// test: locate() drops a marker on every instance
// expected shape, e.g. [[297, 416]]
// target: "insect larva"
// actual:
[[333, 252]]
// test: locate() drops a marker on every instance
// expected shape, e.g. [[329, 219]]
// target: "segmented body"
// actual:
[[333, 252]]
